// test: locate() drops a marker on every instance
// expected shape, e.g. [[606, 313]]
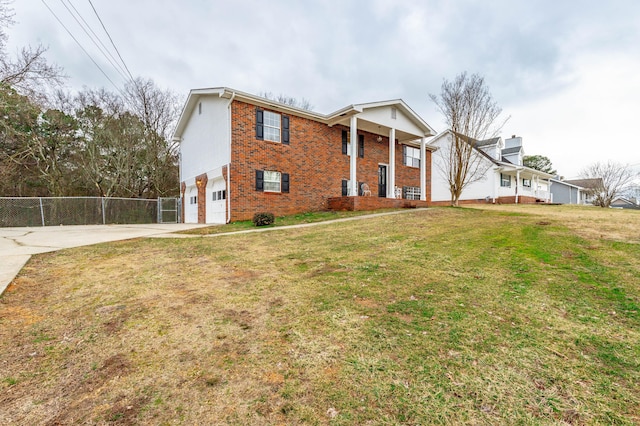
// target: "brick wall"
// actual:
[[201, 183], [313, 160]]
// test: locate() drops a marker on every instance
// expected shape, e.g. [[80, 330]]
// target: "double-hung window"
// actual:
[[346, 144], [271, 126], [505, 180], [272, 181], [411, 156], [526, 183]]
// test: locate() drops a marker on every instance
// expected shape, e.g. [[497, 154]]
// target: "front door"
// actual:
[[382, 180]]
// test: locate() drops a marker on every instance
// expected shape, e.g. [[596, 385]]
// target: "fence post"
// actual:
[[159, 213], [41, 210], [103, 215]]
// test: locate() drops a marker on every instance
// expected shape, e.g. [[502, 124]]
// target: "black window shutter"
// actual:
[[284, 184], [404, 155], [259, 180], [344, 187], [285, 130], [359, 188], [344, 142], [361, 146], [404, 192], [259, 124]]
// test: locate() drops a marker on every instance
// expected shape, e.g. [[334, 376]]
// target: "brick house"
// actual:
[[241, 154]]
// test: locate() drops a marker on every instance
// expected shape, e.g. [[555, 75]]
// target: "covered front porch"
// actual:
[[401, 141], [523, 185]]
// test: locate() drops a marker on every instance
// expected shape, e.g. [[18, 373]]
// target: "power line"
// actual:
[[117, 67], [81, 47], [98, 38], [111, 40]]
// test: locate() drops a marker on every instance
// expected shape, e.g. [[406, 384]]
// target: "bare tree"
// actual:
[[610, 180], [288, 100], [471, 113], [28, 73], [159, 110]]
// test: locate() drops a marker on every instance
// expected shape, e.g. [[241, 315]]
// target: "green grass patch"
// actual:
[[297, 219], [439, 316]]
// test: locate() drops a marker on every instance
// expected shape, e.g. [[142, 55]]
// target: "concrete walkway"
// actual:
[[18, 244]]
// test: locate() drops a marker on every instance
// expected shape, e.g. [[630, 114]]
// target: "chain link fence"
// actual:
[[52, 211]]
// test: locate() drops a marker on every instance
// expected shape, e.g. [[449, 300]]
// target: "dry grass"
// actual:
[[442, 316], [588, 221]]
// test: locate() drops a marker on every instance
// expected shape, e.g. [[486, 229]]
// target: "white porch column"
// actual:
[[354, 155], [391, 181], [423, 169], [517, 184]]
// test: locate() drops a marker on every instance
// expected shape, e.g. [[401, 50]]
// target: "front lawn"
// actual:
[[438, 316]]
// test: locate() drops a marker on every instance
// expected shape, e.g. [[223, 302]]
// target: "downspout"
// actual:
[[233, 95]]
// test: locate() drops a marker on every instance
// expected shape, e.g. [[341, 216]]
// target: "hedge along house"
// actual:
[[241, 154]]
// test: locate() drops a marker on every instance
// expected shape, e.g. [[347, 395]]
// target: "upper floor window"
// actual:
[[411, 156], [346, 144], [271, 126]]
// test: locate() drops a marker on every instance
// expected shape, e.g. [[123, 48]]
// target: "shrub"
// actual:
[[263, 219]]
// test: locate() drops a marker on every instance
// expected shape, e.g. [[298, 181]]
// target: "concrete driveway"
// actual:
[[18, 244]]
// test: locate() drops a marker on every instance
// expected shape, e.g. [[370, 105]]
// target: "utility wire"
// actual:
[[117, 67], [111, 40], [81, 47], [106, 49]]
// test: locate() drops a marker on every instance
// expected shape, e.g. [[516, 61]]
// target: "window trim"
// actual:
[[268, 126], [284, 182], [411, 192], [346, 144], [503, 180], [406, 157], [284, 129]]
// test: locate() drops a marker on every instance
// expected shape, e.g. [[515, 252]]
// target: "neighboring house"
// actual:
[[589, 187], [632, 193], [241, 154], [504, 178], [623, 203], [563, 192]]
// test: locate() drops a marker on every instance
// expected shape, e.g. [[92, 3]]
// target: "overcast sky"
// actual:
[[566, 72]]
